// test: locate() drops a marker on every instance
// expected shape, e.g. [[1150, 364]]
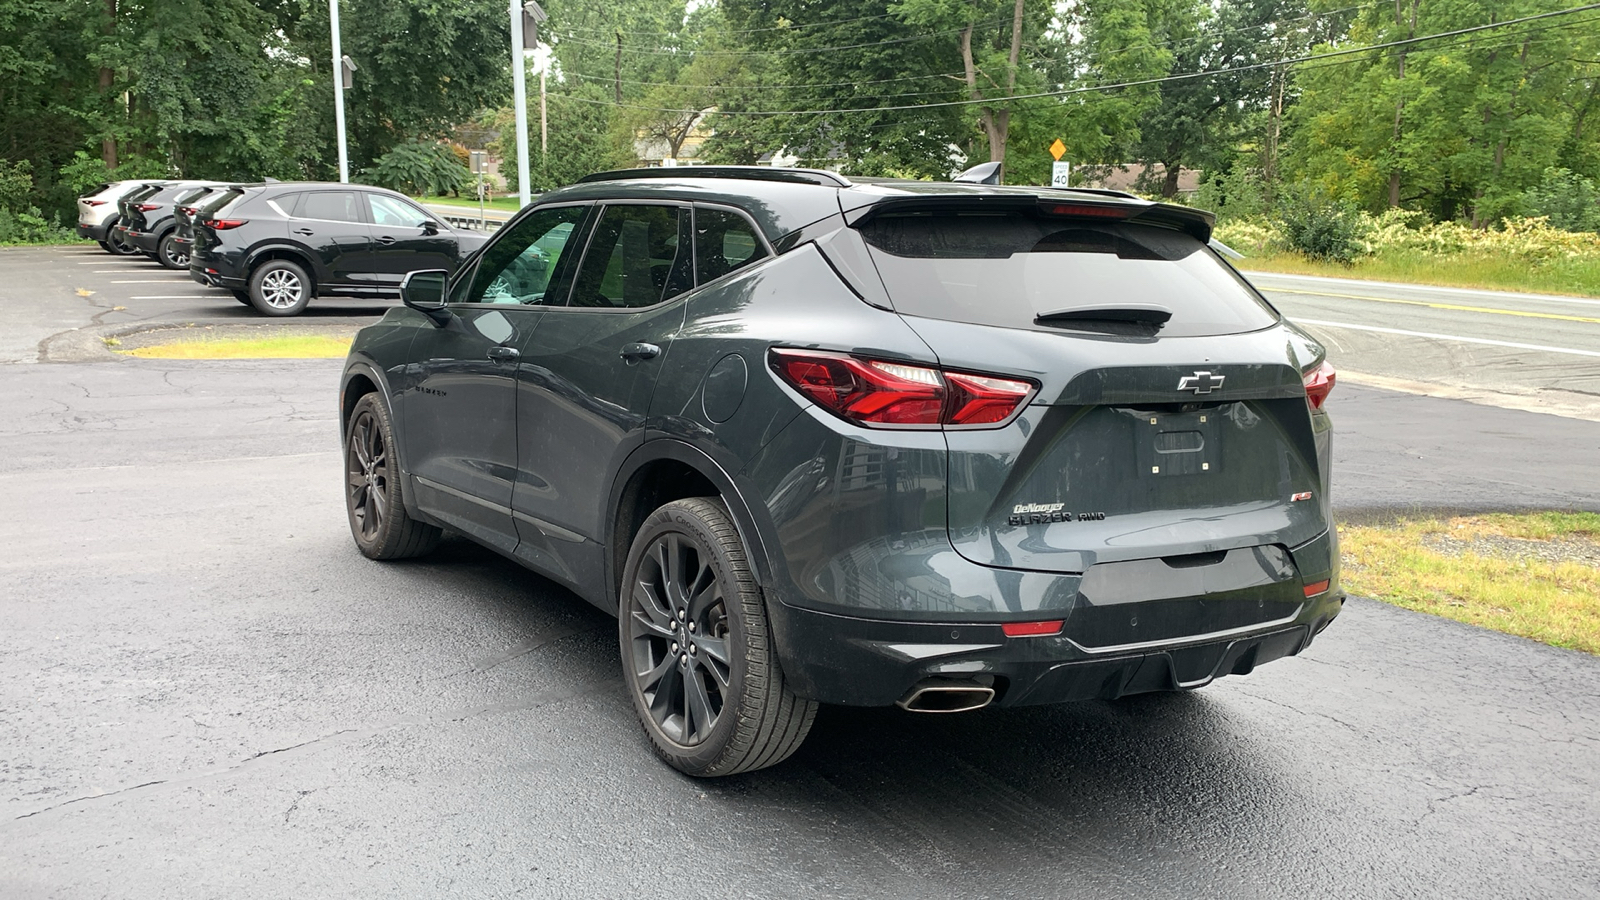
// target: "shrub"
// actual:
[[1321, 227], [20, 221], [419, 167], [1567, 199]]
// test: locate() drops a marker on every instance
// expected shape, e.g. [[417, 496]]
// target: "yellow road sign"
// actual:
[[1058, 148]]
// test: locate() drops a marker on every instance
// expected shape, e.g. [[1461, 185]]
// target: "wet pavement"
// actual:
[[207, 691]]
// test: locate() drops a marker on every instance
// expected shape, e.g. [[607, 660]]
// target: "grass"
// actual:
[[286, 346], [1578, 277], [1417, 564], [506, 204]]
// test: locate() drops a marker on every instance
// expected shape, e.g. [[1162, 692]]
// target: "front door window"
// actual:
[[526, 265]]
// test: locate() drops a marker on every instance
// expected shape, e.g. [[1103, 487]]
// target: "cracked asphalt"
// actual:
[[206, 691]]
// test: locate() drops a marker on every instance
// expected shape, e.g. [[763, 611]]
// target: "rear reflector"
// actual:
[[892, 394], [1319, 383], [1033, 629], [1317, 587]]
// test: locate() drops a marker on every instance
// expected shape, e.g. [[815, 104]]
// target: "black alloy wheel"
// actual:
[[378, 518], [697, 650], [171, 253]]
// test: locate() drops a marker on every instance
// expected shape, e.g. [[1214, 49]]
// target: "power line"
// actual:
[[1187, 76], [563, 38]]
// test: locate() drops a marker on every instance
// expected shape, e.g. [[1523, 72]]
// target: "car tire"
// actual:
[[697, 649], [242, 297], [118, 246], [106, 247], [279, 287], [170, 254], [372, 495]]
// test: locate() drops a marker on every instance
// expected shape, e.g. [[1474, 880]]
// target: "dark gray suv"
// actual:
[[935, 445]]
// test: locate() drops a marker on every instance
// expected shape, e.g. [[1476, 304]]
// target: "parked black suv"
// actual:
[[938, 445], [152, 225], [278, 245]]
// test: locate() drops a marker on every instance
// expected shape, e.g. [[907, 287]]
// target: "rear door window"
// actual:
[[1008, 268], [331, 206], [639, 256]]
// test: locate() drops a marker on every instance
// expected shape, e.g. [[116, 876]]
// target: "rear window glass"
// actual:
[[219, 205], [1007, 268]]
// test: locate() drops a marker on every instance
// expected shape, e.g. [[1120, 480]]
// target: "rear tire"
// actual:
[[697, 649], [372, 494], [171, 254], [279, 287], [241, 296], [106, 247], [116, 245]]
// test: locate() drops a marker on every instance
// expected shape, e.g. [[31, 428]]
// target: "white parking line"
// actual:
[[1447, 337], [176, 297], [150, 281]]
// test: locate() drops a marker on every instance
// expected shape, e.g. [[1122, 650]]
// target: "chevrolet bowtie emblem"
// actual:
[[1200, 382]]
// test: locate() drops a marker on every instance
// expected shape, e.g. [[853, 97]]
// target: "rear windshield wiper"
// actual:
[[1147, 314]]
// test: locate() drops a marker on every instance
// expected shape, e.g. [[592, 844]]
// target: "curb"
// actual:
[[88, 344]]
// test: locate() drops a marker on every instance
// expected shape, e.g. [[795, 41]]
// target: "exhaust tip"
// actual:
[[947, 698]]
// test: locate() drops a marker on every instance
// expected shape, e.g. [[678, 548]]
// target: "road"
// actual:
[[1475, 339], [205, 686]]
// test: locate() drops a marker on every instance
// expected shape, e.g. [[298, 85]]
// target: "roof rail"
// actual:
[[749, 173]]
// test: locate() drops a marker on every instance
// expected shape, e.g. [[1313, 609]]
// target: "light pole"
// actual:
[[525, 17], [342, 67]]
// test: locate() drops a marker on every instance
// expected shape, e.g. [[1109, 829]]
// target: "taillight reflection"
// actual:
[[890, 394], [1319, 383]]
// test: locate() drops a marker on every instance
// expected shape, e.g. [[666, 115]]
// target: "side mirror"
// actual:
[[430, 227], [424, 291]]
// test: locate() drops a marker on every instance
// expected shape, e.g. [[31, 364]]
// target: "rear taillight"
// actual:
[[1319, 383], [223, 224], [188, 210], [890, 394], [147, 207], [96, 202]]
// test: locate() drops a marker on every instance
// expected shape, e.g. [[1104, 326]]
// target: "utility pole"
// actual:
[[544, 119], [525, 18], [339, 76]]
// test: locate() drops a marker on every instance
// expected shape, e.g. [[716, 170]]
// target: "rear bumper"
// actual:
[[213, 278], [873, 662], [96, 232], [144, 240]]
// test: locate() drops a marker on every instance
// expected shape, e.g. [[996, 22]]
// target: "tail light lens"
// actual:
[[147, 207], [188, 210], [223, 224], [1319, 383], [890, 394], [95, 202]]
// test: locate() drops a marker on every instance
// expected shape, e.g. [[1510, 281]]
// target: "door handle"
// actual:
[[503, 354], [386, 240], [304, 231], [636, 352]]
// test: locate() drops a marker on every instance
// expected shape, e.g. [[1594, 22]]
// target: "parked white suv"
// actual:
[[97, 214]]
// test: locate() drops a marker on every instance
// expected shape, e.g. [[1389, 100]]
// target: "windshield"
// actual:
[[1016, 268]]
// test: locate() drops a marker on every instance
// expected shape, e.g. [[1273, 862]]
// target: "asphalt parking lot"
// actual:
[[207, 691]]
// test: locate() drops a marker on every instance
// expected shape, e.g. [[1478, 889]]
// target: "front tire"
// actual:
[[372, 494], [279, 287], [697, 649]]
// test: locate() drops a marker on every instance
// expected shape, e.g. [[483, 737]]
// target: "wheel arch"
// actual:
[[661, 471], [286, 252]]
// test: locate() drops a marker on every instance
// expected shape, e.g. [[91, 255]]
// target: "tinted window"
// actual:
[[1006, 268], [336, 206], [521, 264], [221, 203], [723, 241], [639, 256], [396, 213]]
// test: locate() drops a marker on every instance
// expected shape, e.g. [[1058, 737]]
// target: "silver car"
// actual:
[[97, 215]]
